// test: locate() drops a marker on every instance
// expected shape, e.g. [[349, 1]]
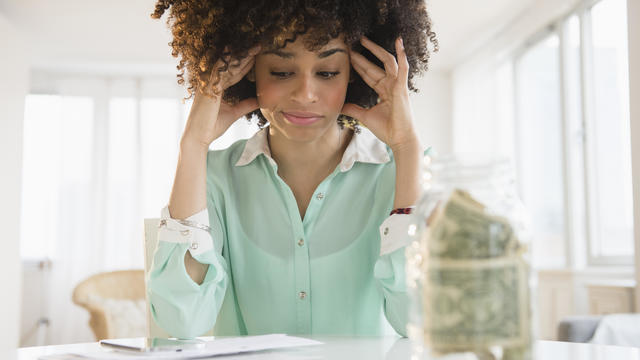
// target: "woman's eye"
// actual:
[[287, 74], [281, 74], [328, 74]]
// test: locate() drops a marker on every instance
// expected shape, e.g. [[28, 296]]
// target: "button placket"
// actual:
[[301, 265]]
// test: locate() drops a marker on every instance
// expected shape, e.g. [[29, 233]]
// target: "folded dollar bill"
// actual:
[[463, 229]]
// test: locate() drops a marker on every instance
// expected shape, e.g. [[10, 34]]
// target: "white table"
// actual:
[[372, 348]]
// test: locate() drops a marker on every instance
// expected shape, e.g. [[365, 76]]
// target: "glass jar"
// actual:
[[468, 272]]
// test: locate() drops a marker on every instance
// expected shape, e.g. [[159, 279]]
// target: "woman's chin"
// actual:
[[301, 133]]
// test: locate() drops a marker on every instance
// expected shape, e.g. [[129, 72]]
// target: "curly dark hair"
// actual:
[[203, 29]]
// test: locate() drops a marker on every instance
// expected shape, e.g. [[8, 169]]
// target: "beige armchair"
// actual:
[[93, 293]]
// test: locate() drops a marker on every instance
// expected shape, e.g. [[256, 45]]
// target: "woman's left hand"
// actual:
[[391, 119]]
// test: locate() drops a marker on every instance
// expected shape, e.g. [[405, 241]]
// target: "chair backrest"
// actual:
[[109, 298], [122, 284], [150, 243]]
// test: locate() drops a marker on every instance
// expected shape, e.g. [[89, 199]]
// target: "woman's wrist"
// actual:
[[409, 146], [409, 142], [407, 155], [192, 145]]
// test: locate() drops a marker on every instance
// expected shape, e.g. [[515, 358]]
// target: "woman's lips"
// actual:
[[300, 118]]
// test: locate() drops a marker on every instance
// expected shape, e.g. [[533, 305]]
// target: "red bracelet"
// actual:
[[408, 210]]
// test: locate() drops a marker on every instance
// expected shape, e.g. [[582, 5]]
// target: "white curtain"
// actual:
[[99, 157]]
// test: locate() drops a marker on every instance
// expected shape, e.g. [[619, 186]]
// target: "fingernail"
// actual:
[[254, 50], [401, 42]]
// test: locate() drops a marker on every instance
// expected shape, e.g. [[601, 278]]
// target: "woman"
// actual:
[[289, 231]]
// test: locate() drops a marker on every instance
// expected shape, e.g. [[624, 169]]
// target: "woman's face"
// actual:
[[301, 93]]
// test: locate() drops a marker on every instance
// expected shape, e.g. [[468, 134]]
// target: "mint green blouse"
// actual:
[[340, 270]]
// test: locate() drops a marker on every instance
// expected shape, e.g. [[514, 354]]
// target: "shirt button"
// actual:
[[386, 230], [185, 232], [194, 246], [320, 196], [302, 295], [300, 242]]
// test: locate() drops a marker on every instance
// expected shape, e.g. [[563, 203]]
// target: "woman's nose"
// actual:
[[305, 90]]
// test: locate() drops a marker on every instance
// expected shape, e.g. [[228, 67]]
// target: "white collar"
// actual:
[[364, 147]]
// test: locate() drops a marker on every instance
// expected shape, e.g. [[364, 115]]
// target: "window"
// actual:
[[608, 133], [539, 112], [99, 156], [573, 138], [56, 170]]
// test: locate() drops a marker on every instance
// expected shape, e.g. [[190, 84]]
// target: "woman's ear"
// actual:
[[251, 75]]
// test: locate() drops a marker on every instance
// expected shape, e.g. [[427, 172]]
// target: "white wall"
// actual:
[[481, 80], [482, 114], [432, 110], [13, 89], [633, 8]]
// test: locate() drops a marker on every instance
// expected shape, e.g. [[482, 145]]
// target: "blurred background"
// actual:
[[92, 116]]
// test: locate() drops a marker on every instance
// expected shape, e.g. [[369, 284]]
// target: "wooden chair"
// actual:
[[124, 285]]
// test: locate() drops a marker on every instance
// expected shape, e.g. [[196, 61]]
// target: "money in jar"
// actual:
[[468, 265]]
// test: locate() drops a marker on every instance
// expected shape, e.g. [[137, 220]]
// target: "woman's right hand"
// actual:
[[209, 118]]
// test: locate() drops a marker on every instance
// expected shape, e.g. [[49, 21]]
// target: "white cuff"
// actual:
[[199, 240], [394, 233]]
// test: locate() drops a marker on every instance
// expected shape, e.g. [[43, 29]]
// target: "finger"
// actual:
[[245, 106], [231, 67], [355, 111], [403, 62], [221, 62], [242, 68], [233, 76], [237, 63], [372, 69], [216, 77], [366, 76], [389, 61]]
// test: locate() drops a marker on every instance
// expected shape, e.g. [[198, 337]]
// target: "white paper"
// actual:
[[215, 347]]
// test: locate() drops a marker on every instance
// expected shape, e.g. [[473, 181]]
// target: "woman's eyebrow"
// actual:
[[282, 54], [330, 52], [290, 55]]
